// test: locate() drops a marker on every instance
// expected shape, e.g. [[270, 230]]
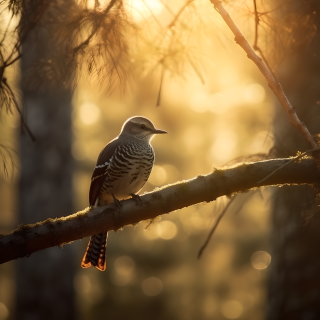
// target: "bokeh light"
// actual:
[[209, 124], [254, 93], [172, 173], [123, 271], [141, 10], [232, 309], [151, 232], [194, 223], [199, 102], [228, 76], [89, 113], [224, 146], [193, 137], [158, 176], [261, 260], [152, 286], [166, 230], [124, 265]]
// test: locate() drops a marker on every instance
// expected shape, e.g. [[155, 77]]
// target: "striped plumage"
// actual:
[[122, 169]]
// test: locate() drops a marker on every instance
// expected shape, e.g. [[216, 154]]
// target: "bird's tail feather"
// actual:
[[96, 252]]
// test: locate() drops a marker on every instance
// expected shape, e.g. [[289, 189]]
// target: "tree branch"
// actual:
[[273, 84], [256, 36], [95, 29], [57, 232], [215, 226]]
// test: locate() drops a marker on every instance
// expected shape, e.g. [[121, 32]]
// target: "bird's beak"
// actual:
[[158, 131]]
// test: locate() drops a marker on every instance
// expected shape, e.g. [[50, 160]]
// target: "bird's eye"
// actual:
[[143, 126]]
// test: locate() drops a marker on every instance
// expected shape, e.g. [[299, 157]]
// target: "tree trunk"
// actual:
[[45, 282], [294, 287]]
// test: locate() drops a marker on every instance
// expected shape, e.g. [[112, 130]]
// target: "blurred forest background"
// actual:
[[178, 65]]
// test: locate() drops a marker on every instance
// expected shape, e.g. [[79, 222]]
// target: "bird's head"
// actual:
[[140, 128]]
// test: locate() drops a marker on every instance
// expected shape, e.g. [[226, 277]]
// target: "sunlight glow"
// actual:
[[151, 233], [199, 102], [261, 260], [233, 96], [228, 76], [224, 146], [158, 176], [262, 142], [171, 172], [193, 137], [89, 113], [232, 309], [143, 9], [254, 93], [152, 286], [166, 230]]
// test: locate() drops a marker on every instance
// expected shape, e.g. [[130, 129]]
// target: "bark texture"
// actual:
[[45, 282], [294, 287], [53, 232]]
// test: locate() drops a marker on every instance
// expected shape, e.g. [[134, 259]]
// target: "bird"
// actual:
[[122, 169]]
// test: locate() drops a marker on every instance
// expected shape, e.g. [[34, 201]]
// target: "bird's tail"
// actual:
[[96, 252]]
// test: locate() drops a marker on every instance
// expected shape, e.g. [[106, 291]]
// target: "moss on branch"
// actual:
[[30, 238]]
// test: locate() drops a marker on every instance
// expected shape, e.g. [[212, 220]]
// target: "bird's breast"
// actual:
[[129, 170]]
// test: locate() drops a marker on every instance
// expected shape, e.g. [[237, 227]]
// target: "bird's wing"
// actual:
[[100, 170]]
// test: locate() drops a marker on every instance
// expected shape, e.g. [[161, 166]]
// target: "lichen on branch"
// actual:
[[27, 239]]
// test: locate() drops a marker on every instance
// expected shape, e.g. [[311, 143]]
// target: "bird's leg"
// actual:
[[116, 202], [136, 198]]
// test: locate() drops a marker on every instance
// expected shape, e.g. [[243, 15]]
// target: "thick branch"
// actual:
[[56, 232], [273, 84]]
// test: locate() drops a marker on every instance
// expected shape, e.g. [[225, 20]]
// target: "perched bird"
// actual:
[[123, 167]]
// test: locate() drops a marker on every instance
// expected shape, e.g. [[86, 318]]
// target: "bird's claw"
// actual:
[[116, 202], [136, 198]]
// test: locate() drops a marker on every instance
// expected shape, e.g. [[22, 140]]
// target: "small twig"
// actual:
[[160, 87], [273, 84], [87, 41], [23, 123], [173, 22], [256, 37], [14, 60], [5, 153], [167, 7], [175, 18], [6, 31], [215, 227], [153, 15], [293, 159], [196, 70], [53, 232], [244, 202], [256, 24], [95, 29], [257, 48], [31, 25]]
